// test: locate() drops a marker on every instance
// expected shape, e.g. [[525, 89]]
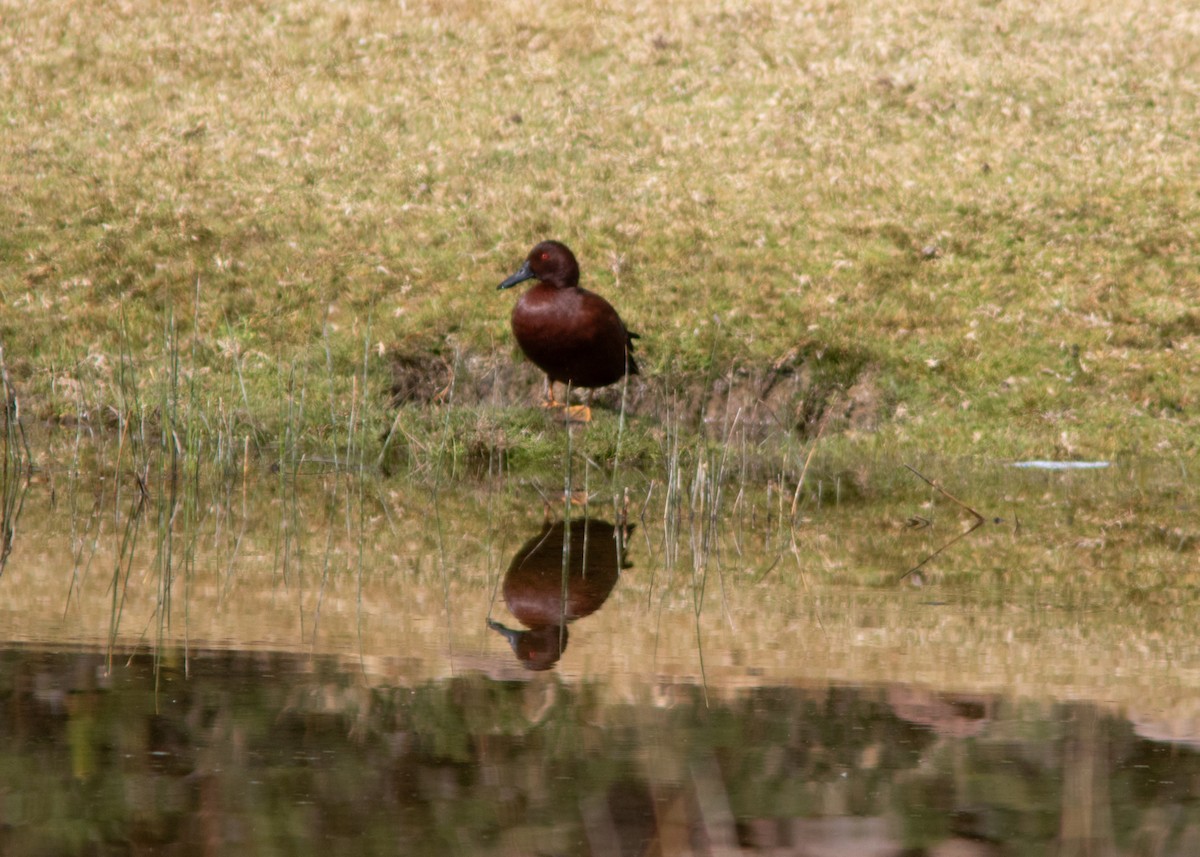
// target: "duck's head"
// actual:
[[550, 262]]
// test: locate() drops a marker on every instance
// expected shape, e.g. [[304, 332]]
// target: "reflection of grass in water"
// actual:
[[1122, 543], [79, 537], [699, 519], [171, 464], [15, 468], [1072, 540]]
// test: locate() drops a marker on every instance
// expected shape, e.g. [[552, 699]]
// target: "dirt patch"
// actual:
[[793, 397], [825, 392]]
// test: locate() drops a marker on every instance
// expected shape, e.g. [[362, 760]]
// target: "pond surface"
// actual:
[[319, 663]]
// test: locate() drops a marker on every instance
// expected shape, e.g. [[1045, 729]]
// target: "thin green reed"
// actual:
[[326, 559], [194, 438], [362, 515], [699, 495], [437, 510], [14, 488], [14, 427], [330, 383], [340, 474], [131, 409], [618, 489], [127, 444], [670, 514], [444, 441], [78, 537], [672, 496], [255, 432], [12, 465], [330, 497], [716, 515], [287, 466], [568, 493], [358, 404], [168, 478], [179, 456], [122, 568]]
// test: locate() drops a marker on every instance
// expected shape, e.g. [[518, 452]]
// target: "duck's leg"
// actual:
[[581, 413], [550, 401]]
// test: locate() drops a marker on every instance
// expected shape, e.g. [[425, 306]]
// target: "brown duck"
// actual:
[[544, 596], [573, 335]]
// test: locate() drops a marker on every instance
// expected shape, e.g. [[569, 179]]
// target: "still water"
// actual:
[[322, 665]]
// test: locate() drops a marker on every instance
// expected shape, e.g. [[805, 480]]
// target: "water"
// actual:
[[324, 665], [271, 752]]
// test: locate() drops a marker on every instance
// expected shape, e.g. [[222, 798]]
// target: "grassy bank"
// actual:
[[981, 220]]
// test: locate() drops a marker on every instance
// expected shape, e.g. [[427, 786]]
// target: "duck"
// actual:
[[571, 334], [563, 573]]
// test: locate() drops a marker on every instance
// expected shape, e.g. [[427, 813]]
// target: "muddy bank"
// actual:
[[808, 394]]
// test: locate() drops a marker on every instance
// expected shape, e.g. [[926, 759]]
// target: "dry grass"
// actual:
[[997, 203]]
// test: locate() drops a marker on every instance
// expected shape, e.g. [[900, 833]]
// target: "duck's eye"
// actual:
[[545, 257]]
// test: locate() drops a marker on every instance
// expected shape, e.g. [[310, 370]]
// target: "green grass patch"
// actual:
[[993, 208]]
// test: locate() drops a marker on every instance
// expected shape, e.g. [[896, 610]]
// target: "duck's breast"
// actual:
[[573, 335]]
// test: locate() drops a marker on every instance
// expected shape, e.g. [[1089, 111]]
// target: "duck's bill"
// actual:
[[522, 274]]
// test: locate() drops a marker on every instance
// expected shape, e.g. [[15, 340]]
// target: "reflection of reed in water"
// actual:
[[16, 463], [535, 585]]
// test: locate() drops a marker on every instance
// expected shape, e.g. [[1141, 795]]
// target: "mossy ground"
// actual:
[[990, 208]]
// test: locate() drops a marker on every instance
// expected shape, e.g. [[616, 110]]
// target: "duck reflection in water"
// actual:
[[534, 586]]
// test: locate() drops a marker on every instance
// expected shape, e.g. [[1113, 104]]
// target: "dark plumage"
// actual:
[[571, 334], [545, 595]]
